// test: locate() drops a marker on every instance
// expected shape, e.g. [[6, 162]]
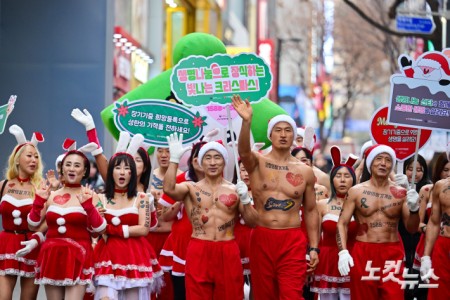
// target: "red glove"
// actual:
[[94, 219], [34, 217], [121, 231]]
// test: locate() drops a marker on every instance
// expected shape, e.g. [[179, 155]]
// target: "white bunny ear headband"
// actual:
[[21, 139], [70, 146], [129, 145]]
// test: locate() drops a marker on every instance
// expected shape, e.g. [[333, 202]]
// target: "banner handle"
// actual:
[[413, 178], [153, 162], [233, 144]]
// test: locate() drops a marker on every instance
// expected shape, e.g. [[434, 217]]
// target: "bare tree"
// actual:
[[435, 37]]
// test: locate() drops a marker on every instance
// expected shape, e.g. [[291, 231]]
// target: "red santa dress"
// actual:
[[66, 256], [124, 263], [15, 230]]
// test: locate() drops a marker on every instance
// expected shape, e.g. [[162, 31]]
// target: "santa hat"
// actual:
[[278, 119], [337, 158], [213, 146], [365, 146], [21, 139], [375, 150], [435, 60], [300, 131]]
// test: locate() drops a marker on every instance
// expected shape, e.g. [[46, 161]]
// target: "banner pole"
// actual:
[[233, 144], [413, 178]]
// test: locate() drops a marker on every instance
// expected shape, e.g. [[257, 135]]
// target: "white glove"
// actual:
[[29, 246], [242, 191], [412, 200], [176, 147], [425, 268], [84, 118], [401, 180], [345, 262]]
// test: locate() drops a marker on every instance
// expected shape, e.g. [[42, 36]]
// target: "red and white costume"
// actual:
[[66, 256], [214, 271], [441, 262], [421, 245], [124, 263], [242, 234], [15, 230], [277, 262], [326, 276], [173, 254], [378, 286]]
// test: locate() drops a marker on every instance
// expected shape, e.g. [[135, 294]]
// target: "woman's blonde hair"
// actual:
[[13, 164]]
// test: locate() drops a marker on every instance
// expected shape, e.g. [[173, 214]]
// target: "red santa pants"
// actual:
[[213, 270], [374, 276], [441, 266], [277, 263]]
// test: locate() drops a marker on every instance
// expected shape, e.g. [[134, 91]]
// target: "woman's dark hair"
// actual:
[[307, 152], [87, 165], [422, 162], [194, 153], [365, 173], [333, 174], [439, 166], [145, 177], [132, 185]]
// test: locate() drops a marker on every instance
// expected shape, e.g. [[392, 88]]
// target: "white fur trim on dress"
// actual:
[[101, 227]]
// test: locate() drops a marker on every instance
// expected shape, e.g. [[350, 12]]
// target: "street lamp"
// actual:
[[278, 59]]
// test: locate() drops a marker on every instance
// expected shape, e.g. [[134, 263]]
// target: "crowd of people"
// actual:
[[282, 229]]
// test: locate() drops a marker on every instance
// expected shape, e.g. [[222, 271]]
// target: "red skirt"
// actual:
[[173, 253], [242, 235], [9, 263], [123, 263], [327, 278], [65, 262]]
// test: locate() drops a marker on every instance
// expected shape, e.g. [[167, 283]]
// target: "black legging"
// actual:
[[179, 288]]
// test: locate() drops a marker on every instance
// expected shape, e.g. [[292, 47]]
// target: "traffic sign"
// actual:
[[415, 24]]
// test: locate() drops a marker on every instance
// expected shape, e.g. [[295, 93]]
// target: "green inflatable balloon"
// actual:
[[159, 86]]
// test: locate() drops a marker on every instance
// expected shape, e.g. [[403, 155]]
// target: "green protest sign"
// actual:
[[157, 119], [199, 80]]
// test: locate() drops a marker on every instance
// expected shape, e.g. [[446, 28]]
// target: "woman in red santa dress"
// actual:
[[24, 170], [328, 283], [65, 262], [123, 267]]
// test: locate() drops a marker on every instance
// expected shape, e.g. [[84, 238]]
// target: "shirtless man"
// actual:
[[280, 185], [438, 241], [377, 205], [213, 263]]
